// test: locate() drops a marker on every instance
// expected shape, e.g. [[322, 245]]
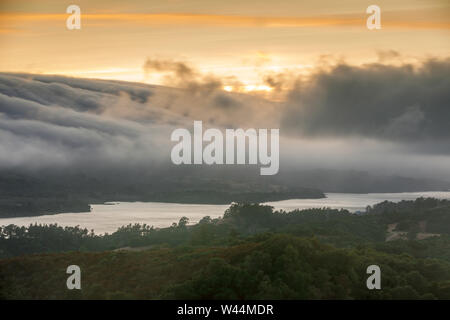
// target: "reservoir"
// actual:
[[110, 216]]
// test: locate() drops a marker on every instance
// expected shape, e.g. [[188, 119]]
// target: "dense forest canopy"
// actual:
[[252, 252]]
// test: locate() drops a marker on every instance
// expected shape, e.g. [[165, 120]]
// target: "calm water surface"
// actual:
[[108, 217]]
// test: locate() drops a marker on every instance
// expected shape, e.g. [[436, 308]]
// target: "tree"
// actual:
[[183, 222]]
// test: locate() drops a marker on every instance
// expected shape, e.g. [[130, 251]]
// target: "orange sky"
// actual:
[[243, 39]]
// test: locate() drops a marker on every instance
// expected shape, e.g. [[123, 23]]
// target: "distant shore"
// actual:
[[37, 206]]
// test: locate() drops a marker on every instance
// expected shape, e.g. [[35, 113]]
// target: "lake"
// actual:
[[108, 217]]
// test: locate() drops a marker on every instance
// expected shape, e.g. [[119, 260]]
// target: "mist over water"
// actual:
[[107, 218]]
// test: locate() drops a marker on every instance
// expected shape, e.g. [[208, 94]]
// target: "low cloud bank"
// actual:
[[384, 118], [406, 104]]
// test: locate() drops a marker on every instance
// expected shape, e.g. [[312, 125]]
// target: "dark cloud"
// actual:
[[201, 96], [403, 104], [275, 81], [226, 101], [388, 55], [179, 74], [180, 69]]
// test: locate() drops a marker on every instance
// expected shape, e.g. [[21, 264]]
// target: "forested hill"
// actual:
[[50, 192], [251, 252]]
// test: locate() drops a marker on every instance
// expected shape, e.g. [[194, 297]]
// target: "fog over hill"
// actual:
[[370, 128]]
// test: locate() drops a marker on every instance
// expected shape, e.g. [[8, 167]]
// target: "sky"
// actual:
[[343, 96], [238, 40]]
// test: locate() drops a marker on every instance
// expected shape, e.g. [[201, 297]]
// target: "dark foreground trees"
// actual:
[[250, 253]]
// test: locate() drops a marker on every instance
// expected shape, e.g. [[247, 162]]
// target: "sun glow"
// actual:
[[262, 87], [248, 88]]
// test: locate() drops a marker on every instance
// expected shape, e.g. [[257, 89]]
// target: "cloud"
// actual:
[[379, 117], [226, 102], [69, 92], [405, 104], [181, 69], [48, 121], [202, 96], [179, 74], [387, 55]]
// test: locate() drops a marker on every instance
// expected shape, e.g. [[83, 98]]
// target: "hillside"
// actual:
[[250, 253]]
